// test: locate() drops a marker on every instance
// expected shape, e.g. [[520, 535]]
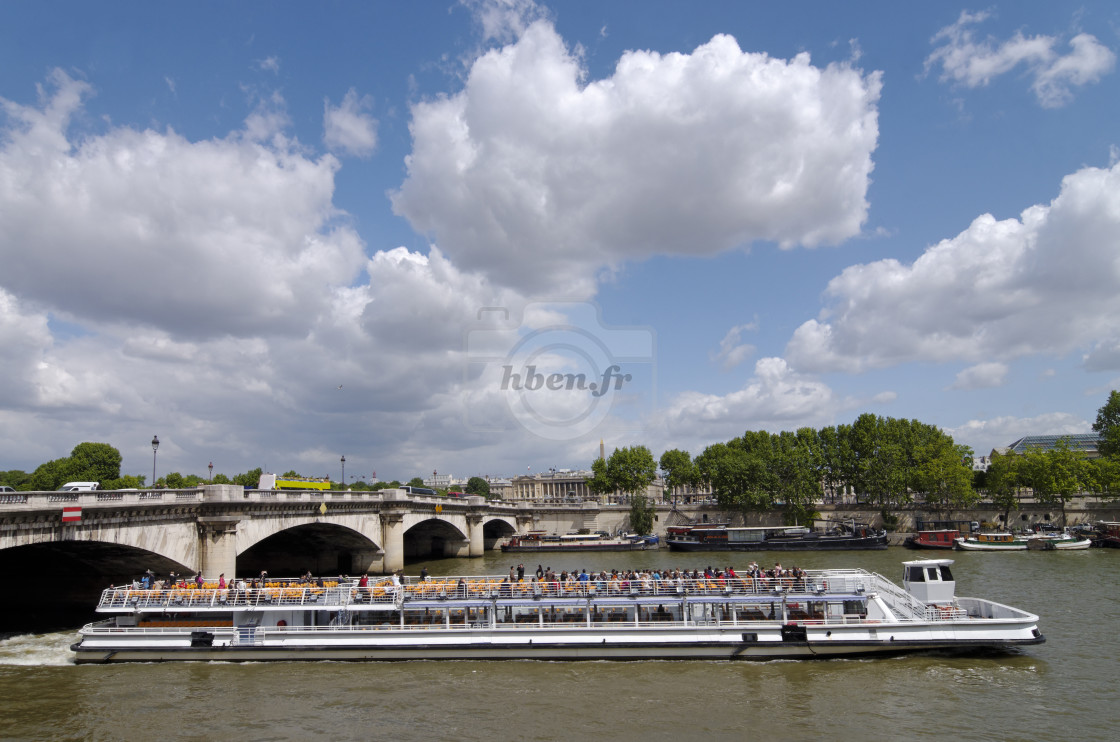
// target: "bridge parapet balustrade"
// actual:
[[56, 500]]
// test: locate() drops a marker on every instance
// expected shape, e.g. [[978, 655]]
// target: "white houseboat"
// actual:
[[826, 613], [1011, 542]]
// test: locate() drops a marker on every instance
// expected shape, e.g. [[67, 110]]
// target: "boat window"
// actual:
[[915, 574], [946, 575], [931, 573]]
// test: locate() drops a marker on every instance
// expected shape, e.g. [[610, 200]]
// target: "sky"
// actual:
[[481, 237]]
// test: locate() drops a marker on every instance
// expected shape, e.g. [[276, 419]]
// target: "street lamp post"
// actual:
[[155, 447], [344, 472], [211, 468]]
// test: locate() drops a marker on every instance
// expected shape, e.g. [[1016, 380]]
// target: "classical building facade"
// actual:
[[567, 485]]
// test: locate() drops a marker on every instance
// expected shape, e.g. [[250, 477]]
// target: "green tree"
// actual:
[[677, 469], [50, 475], [172, 480], [94, 462], [1003, 482], [127, 481], [1107, 426], [1055, 475], [1106, 476], [15, 478], [734, 475], [416, 482], [641, 515], [478, 486], [599, 484], [835, 463], [631, 470], [797, 475], [946, 480], [250, 479]]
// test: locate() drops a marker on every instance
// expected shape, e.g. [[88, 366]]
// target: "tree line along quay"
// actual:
[[890, 464]]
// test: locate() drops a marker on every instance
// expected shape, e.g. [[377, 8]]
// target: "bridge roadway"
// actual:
[[217, 529]]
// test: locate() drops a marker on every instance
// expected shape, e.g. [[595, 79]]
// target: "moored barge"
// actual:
[[536, 541], [841, 537]]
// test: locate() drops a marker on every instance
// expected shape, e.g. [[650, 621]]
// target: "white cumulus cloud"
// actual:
[[973, 62], [774, 398], [229, 235], [541, 181], [1046, 283], [732, 349], [348, 128], [984, 435], [981, 376]]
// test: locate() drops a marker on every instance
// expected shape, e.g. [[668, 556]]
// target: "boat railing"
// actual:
[[905, 605], [384, 591], [278, 593], [457, 588]]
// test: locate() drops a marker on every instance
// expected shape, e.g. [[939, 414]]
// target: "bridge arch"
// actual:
[[435, 536], [323, 548], [497, 529], [61, 581]]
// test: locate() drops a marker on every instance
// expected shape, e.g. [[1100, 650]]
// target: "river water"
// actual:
[[1065, 687]]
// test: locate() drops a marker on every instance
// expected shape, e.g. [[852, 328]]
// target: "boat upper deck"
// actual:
[[384, 594]]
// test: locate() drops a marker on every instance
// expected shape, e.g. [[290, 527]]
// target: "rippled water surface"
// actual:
[[1062, 688]]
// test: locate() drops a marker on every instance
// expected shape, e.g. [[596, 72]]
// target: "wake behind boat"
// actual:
[[629, 616]]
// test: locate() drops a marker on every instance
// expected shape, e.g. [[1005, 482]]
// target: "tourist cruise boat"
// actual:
[[835, 537], [825, 613], [1011, 542]]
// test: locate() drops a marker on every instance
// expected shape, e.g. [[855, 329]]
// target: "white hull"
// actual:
[[763, 642], [1024, 545], [1076, 545], [973, 546]]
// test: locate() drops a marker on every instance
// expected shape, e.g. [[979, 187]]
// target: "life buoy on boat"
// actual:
[[281, 622]]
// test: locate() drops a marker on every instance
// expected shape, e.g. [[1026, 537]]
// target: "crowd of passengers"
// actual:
[[614, 581], [149, 581], [651, 580]]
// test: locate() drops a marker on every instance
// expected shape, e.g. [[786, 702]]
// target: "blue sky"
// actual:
[[275, 234]]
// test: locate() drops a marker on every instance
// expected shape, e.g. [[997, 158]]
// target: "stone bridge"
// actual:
[[226, 529]]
